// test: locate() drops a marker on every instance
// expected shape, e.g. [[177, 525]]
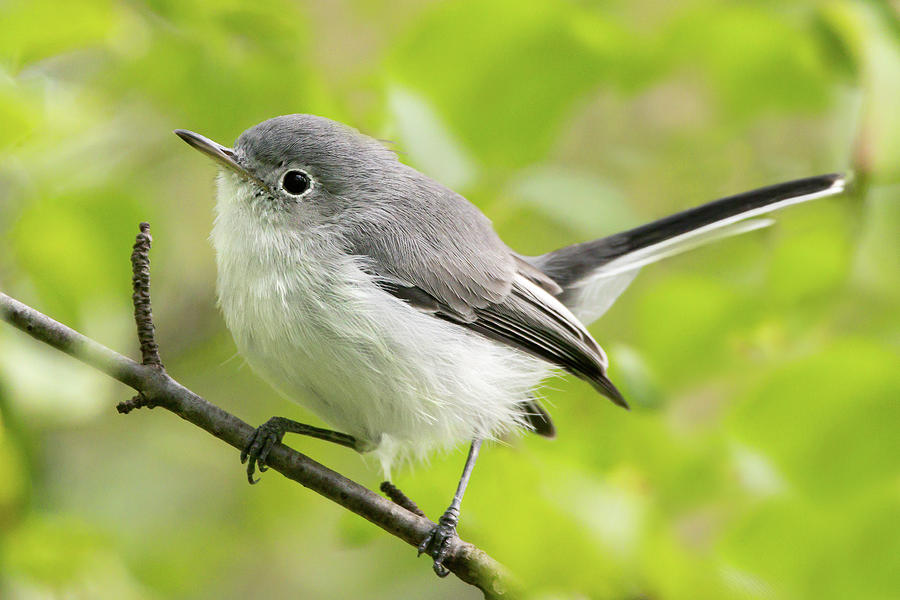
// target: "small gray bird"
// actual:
[[386, 303]]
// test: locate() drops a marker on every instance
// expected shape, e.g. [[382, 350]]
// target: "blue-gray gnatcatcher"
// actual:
[[386, 304]]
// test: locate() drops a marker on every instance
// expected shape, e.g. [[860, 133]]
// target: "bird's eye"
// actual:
[[296, 183]]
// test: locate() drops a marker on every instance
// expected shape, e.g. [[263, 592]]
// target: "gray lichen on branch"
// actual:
[[156, 388]]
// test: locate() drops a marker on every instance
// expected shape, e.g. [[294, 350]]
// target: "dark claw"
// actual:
[[426, 542], [439, 569], [264, 453], [257, 450], [437, 543]]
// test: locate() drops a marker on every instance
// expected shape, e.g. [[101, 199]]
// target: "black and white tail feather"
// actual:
[[593, 274]]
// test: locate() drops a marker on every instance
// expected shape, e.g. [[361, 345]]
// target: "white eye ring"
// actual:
[[296, 182]]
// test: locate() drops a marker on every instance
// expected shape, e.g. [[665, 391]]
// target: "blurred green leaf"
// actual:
[[587, 206], [879, 150], [757, 60], [428, 143], [684, 319], [51, 549], [809, 414], [514, 61]]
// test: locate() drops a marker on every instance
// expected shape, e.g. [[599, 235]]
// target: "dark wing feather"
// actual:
[[536, 276], [529, 319], [538, 418]]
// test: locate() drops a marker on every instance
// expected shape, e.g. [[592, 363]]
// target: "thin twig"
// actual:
[[398, 497], [156, 387], [143, 313]]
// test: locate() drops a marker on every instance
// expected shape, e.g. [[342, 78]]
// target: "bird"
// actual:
[[386, 304]]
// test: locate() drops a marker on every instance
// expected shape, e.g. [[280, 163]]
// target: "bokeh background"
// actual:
[[761, 457]]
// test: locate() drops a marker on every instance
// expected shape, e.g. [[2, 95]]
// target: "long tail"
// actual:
[[593, 274]]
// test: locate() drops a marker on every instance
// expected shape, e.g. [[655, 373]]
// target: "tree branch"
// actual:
[[156, 388]]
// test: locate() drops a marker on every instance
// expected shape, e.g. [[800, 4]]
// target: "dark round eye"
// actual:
[[296, 182]]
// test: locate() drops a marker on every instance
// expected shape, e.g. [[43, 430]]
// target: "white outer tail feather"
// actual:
[[597, 292]]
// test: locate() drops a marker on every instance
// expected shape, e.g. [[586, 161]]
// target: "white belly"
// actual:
[[317, 328]]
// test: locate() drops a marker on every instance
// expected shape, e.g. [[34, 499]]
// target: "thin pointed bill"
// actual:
[[221, 154]]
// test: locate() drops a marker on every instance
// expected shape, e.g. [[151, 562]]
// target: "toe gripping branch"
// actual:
[[257, 451], [437, 543], [270, 433]]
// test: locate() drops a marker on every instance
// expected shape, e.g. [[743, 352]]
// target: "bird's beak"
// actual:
[[222, 154]]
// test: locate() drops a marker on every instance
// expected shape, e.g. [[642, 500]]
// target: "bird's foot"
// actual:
[[257, 450], [437, 543]]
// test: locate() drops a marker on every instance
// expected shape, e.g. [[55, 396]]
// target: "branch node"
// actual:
[[137, 401], [143, 314], [398, 497]]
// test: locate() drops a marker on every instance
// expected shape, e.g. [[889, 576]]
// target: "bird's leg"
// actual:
[[437, 543], [272, 431]]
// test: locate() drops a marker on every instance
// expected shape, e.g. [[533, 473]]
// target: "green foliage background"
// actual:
[[761, 458]]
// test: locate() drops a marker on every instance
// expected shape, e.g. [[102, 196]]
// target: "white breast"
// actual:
[[318, 329]]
